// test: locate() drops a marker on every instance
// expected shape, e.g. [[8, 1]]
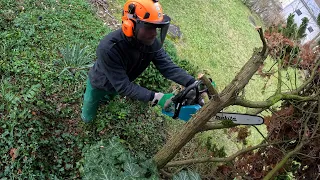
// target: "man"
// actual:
[[125, 53]]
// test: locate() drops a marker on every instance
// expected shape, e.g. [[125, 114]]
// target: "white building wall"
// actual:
[[297, 7]]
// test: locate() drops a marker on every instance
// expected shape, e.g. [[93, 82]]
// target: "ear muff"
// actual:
[[127, 27]]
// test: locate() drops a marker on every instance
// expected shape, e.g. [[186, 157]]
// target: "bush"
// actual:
[[110, 160], [39, 109], [139, 126]]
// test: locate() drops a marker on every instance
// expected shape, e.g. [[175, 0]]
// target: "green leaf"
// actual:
[[133, 169], [106, 173], [187, 175], [181, 176], [194, 175]]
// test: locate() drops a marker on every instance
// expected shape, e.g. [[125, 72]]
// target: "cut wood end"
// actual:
[[200, 75]]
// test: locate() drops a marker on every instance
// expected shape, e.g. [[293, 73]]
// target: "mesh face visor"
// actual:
[[161, 27]]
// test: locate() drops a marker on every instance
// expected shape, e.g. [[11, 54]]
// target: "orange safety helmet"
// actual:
[[139, 13]]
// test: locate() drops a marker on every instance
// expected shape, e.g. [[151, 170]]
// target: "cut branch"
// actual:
[[212, 91]]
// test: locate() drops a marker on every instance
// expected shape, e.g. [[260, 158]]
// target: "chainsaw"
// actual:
[[188, 102]]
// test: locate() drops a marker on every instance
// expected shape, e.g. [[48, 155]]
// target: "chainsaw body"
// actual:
[[186, 112], [188, 102]]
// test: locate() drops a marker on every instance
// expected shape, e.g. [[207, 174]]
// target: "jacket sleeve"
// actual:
[[116, 74], [171, 71]]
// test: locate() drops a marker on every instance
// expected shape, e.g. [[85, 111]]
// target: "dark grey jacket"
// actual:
[[121, 60]]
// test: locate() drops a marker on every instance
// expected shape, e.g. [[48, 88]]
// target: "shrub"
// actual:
[[110, 160]]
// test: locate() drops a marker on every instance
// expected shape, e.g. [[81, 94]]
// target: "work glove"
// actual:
[[163, 100]]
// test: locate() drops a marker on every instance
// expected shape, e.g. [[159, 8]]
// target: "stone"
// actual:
[[174, 32]]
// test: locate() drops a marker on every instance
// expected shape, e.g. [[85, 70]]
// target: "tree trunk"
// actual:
[[226, 98]]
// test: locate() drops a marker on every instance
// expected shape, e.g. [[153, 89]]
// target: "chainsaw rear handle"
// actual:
[[180, 98]]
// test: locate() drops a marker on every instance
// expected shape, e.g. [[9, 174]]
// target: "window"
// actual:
[[298, 12], [310, 29]]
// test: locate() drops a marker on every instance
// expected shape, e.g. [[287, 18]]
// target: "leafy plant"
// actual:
[[30, 96], [291, 27], [8, 99], [110, 160], [187, 175], [302, 28], [139, 126], [75, 58]]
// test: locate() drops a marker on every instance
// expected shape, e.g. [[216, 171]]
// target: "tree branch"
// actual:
[[165, 173], [264, 48], [283, 161], [259, 104], [313, 74], [213, 159], [279, 165], [212, 91], [318, 122], [212, 126], [274, 99], [279, 78]]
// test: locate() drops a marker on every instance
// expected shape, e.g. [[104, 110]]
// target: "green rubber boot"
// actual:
[[91, 101]]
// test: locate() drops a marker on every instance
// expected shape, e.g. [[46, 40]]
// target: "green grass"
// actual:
[[217, 35]]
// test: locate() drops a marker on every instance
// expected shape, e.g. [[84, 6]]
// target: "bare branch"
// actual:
[[165, 173], [264, 48], [279, 165], [213, 159], [318, 123], [283, 161], [212, 91], [265, 139], [259, 104], [274, 99], [310, 79], [213, 126], [279, 78]]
